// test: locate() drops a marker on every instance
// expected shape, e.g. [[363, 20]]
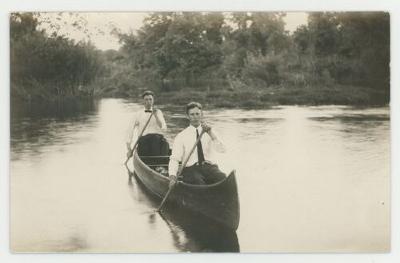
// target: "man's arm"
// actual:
[[215, 141], [176, 157], [131, 133], [160, 119]]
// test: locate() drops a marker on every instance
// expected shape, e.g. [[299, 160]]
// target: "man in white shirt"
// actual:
[[200, 168], [152, 136]]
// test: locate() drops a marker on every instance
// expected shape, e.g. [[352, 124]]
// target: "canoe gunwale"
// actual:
[[194, 186]]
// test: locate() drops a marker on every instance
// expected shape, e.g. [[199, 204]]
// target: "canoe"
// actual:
[[218, 202]]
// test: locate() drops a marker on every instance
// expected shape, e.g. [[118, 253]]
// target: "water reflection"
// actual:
[[353, 118], [322, 175], [190, 232], [354, 127], [62, 109], [73, 243], [33, 126], [259, 120]]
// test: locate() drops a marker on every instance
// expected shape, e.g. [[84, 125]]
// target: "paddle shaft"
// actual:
[[180, 171], [137, 140]]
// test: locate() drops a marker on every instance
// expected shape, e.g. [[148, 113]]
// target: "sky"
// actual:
[[99, 25]]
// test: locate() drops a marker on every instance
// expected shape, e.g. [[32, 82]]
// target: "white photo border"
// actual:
[[8, 6]]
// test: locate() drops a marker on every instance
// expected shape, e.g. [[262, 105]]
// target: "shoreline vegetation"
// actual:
[[248, 99], [240, 60], [252, 98]]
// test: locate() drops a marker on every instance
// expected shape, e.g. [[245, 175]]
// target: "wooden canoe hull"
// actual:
[[219, 202]]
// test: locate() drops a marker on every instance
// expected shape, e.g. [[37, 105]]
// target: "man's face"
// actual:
[[148, 101], [195, 116]]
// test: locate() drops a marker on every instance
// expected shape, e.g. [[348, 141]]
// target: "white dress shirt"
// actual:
[[140, 119], [184, 142]]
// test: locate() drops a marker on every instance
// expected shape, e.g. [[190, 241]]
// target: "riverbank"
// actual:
[[265, 98], [239, 97]]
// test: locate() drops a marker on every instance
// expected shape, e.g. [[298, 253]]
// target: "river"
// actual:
[[311, 179]]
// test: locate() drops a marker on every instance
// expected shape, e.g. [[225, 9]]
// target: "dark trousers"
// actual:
[[202, 174]]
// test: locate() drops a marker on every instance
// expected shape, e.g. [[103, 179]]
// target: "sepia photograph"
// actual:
[[202, 132]]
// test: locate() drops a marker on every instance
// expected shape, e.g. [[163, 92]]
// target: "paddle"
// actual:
[[180, 172], [137, 140]]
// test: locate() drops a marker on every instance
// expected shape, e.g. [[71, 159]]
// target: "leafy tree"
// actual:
[[366, 41], [49, 67], [175, 45]]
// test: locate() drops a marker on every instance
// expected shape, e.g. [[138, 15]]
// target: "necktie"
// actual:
[[200, 154], [147, 110]]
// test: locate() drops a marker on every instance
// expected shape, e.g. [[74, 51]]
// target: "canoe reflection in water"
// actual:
[[191, 232], [218, 201]]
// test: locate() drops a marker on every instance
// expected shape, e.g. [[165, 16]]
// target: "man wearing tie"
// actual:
[[152, 138], [200, 168]]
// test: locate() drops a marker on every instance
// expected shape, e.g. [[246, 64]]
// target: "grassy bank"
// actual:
[[264, 98], [221, 94]]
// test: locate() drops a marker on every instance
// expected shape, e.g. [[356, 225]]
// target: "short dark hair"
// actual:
[[147, 92], [192, 105]]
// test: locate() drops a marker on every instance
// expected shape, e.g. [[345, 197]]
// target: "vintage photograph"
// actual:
[[175, 132]]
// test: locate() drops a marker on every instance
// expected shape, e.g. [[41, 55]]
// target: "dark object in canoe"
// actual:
[[219, 201]]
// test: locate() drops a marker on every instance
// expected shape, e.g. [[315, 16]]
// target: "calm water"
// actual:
[[310, 179]]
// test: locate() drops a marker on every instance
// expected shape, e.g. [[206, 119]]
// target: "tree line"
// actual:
[[49, 67], [337, 58]]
